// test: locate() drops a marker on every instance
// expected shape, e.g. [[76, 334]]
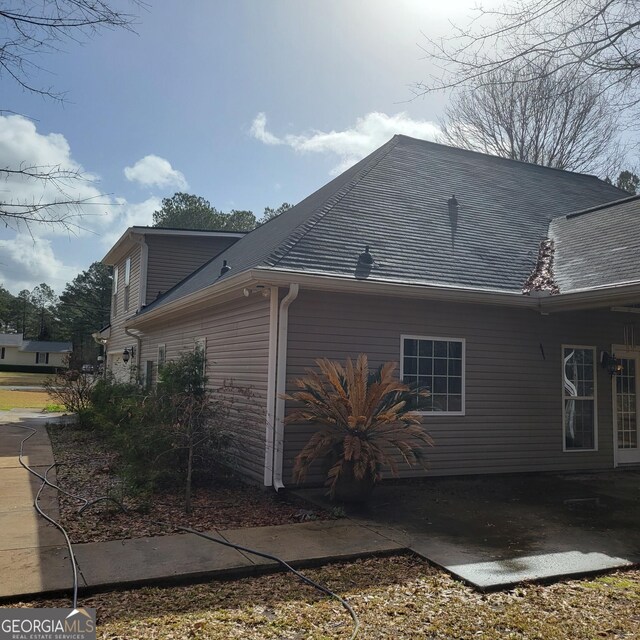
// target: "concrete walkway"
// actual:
[[34, 559]]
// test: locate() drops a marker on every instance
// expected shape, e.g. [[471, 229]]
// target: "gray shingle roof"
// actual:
[[46, 347], [397, 201], [10, 339], [598, 247]]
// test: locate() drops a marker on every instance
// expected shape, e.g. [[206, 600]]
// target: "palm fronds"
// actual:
[[363, 420]]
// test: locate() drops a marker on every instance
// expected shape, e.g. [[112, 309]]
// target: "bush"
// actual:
[[169, 435], [71, 389]]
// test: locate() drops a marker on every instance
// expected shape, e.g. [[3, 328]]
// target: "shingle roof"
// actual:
[[599, 247], [48, 347], [10, 339], [398, 200]]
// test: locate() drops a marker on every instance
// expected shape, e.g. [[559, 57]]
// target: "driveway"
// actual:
[[497, 531]]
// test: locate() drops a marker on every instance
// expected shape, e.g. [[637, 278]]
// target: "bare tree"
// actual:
[[536, 114], [598, 38], [28, 29]]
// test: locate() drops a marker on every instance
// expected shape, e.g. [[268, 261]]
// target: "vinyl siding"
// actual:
[[173, 258], [237, 345], [513, 419], [118, 339]]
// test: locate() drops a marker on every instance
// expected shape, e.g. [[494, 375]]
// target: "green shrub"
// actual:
[[170, 435]]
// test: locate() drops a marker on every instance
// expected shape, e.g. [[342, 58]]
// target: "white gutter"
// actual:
[[271, 386], [281, 384]]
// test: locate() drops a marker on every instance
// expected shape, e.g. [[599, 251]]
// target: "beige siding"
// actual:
[[118, 339], [237, 343], [513, 418], [13, 356], [173, 258]]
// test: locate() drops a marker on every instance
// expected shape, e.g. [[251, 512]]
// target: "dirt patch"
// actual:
[[87, 468]]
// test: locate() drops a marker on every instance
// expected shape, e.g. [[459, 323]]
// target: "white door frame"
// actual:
[[621, 351]]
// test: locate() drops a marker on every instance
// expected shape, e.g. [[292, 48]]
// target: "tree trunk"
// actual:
[[187, 489]]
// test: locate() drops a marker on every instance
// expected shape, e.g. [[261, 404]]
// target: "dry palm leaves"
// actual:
[[364, 420]]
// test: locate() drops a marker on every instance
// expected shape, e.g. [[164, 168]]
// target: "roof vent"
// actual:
[[225, 268], [365, 257]]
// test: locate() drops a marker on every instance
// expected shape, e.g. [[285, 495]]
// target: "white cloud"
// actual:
[[154, 171], [23, 148], [259, 130], [352, 144], [26, 262], [129, 215]]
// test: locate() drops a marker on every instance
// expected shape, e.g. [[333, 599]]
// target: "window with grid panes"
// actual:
[[435, 365], [579, 398]]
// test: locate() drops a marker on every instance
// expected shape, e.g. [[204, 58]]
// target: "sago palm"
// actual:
[[363, 417]]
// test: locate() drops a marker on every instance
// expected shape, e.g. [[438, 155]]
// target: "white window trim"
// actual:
[[127, 272], [404, 337], [162, 361], [116, 273], [594, 398]]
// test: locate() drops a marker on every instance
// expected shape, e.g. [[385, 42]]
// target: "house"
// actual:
[[18, 354], [499, 285]]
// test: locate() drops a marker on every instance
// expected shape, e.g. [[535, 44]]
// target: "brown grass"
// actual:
[[18, 399]]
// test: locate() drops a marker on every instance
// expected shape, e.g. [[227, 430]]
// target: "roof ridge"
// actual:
[[301, 231], [606, 205], [496, 157]]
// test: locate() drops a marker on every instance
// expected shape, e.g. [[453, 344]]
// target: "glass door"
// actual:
[[626, 410]]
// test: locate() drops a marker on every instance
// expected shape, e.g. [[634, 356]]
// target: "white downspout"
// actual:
[[271, 386], [281, 384]]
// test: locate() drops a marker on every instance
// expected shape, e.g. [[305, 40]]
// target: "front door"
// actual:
[[626, 409]]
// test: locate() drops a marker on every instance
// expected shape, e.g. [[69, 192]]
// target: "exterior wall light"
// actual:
[[129, 352], [612, 364]]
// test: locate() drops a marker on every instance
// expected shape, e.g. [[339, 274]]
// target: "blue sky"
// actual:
[[247, 103]]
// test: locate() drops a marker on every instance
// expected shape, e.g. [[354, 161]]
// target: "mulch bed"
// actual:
[[87, 468], [395, 598]]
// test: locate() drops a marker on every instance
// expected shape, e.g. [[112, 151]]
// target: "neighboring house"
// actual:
[[497, 284], [18, 354]]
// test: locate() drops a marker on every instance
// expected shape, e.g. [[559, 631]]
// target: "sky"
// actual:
[[247, 103]]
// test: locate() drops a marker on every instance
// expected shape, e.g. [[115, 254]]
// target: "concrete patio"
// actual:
[[496, 531]]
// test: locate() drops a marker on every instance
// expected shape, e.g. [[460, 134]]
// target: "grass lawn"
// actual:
[[395, 598], [19, 379], [14, 399]]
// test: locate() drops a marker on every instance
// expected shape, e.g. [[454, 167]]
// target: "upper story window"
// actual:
[[127, 278], [114, 297], [436, 365], [579, 398]]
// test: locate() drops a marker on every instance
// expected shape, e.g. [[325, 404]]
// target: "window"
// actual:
[[2, 354], [162, 354], [201, 345], [114, 303], [127, 278], [579, 398], [42, 358], [148, 373], [435, 365]]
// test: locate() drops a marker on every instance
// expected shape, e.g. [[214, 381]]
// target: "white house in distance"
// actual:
[[18, 354]]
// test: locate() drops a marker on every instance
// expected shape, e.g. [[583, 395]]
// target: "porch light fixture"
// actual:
[[612, 364], [129, 352]]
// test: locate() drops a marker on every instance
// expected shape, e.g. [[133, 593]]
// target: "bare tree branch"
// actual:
[[536, 114], [599, 39]]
